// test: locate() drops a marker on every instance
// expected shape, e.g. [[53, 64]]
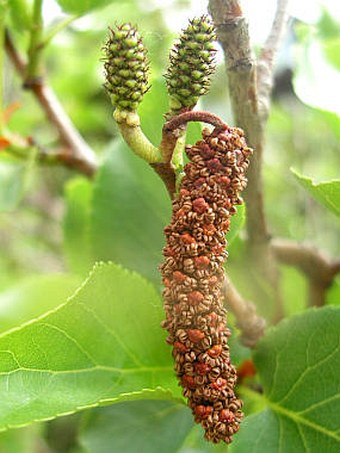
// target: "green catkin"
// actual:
[[191, 65], [126, 67], [193, 273]]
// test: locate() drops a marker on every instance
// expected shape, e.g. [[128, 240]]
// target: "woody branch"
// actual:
[[250, 85], [76, 153]]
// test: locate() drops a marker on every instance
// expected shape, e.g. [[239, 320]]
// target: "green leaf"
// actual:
[[137, 426], [24, 440], [129, 211], [310, 74], [236, 224], [152, 110], [34, 296], [14, 180], [333, 294], [294, 289], [82, 7], [104, 345], [298, 362], [77, 225], [20, 14], [194, 132], [331, 48], [327, 193], [195, 443]]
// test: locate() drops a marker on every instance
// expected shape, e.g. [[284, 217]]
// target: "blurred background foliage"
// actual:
[[303, 133], [54, 223]]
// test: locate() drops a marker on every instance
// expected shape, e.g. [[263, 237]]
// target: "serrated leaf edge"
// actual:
[[130, 396], [96, 266]]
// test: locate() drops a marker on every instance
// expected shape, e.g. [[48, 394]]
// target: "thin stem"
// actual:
[[129, 126], [58, 28], [182, 119], [252, 326], [177, 156], [319, 269], [21, 147], [265, 65], [232, 32], [175, 127], [173, 138], [166, 172], [34, 51], [78, 155]]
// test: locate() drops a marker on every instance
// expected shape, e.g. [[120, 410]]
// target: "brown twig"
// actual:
[[251, 325], [183, 118], [266, 60], [172, 130], [78, 155], [319, 269], [20, 146], [175, 125], [167, 174], [232, 32], [250, 89]]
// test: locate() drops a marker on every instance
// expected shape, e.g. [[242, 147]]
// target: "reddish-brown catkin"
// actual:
[[193, 276]]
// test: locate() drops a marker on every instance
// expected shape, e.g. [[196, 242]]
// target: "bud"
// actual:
[[191, 64], [126, 67]]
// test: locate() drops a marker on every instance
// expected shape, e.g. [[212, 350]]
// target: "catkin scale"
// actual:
[[193, 277]]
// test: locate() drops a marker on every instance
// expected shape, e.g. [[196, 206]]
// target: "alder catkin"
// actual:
[[193, 275], [191, 63], [126, 67]]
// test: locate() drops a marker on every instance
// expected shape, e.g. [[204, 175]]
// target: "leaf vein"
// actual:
[[320, 403], [132, 356], [72, 339], [307, 449], [11, 353], [305, 372]]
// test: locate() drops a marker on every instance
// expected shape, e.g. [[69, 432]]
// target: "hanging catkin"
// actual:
[[193, 276]]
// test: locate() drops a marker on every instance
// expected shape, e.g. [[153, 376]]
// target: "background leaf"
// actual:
[[83, 7], [136, 427], [14, 180], [78, 197], [298, 362], [19, 13], [34, 296], [152, 110], [236, 224], [24, 440], [312, 69], [195, 443], [104, 345], [130, 209], [327, 193], [333, 295], [294, 289]]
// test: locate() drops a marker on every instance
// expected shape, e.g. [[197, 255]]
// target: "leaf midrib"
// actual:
[[288, 413], [150, 369]]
